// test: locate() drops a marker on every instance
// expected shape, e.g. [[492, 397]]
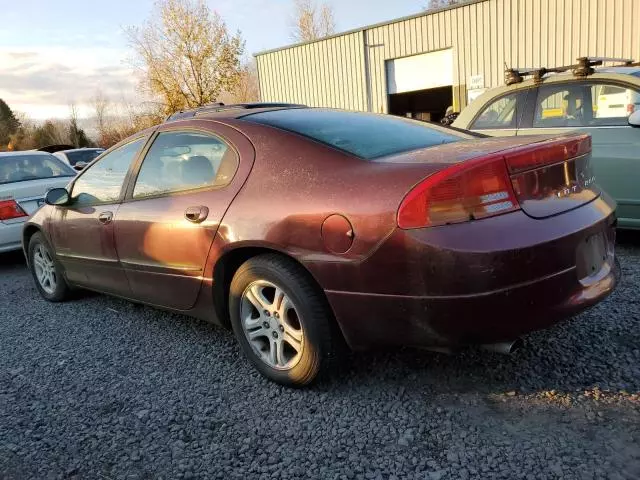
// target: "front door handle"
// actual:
[[105, 217], [196, 214]]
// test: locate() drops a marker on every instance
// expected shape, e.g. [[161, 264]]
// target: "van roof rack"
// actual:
[[583, 68], [221, 107]]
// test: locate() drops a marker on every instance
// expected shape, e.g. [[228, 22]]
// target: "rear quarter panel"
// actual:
[[296, 183]]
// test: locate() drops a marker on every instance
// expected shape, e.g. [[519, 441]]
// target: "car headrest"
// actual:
[[197, 170]]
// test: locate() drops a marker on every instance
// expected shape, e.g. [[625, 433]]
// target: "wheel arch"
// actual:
[[228, 264], [27, 232]]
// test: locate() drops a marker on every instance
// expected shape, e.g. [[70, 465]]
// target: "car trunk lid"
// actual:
[[29, 194], [553, 176], [541, 175]]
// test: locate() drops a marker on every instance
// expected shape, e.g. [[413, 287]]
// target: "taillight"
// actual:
[[483, 187], [466, 191], [10, 209], [630, 108], [547, 152]]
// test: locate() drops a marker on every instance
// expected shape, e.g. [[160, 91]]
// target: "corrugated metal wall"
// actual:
[[485, 35], [324, 73]]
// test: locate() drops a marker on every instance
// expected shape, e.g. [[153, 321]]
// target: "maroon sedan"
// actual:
[[302, 228]]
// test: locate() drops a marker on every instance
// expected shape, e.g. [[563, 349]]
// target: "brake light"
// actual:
[[466, 191], [10, 209], [483, 187], [630, 108], [547, 152]]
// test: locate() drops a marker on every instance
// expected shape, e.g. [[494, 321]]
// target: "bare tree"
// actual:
[[312, 21], [435, 4], [74, 132], [51, 132], [186, 55], [101, 110], [117, 120], [247, 89]]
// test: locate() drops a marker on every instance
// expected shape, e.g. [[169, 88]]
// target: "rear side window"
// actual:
[[20, 168], [583, 104], [180, 161], [502, 113], [365, 135]]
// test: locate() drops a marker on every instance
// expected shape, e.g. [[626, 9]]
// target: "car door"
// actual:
[[502, 115], [173, 208], [575, 106], [83, 230]]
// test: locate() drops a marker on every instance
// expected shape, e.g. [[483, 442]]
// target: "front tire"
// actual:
[[46, 271], [281, 320]]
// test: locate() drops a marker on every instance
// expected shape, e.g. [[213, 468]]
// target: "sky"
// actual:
[[57, 52]]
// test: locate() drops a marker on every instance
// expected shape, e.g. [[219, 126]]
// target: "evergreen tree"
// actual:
[[8, 123]]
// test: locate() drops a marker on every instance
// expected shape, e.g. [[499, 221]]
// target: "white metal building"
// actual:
[[420, 65]]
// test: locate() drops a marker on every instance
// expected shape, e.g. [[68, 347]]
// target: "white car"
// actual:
[[25, 178]]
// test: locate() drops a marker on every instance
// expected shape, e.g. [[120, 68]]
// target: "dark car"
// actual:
[[301, 228]]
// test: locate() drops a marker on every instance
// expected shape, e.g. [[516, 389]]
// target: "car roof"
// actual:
[[616, 74], [623, 70], [620, 74], [611, 73], [25, 152], [80, 149], [602, 70], [220, 111]]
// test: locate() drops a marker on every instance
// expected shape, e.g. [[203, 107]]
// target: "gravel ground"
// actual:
[[99, 388]]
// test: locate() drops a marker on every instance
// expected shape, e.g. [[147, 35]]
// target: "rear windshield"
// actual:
[[82, 156], [19, 168], [365, 135]]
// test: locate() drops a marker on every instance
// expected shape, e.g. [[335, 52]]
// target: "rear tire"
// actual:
[[281, 320], [46, 270]]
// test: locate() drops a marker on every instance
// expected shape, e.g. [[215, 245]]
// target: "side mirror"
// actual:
[[57, 196], [80, 165], [634, 119]]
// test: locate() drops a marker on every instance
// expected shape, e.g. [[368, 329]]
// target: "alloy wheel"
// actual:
[[271, 325], [45, 269]]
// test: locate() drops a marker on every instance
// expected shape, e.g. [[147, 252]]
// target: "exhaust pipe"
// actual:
[[503, 347]]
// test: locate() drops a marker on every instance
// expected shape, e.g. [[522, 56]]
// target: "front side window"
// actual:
[[502, 113], [179, 161], [20, 168], [102, 182]]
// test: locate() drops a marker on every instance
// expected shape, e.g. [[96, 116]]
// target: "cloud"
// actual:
[[46, 81], [22, 55]]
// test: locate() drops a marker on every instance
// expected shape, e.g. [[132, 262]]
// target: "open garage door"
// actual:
[[421, 86]]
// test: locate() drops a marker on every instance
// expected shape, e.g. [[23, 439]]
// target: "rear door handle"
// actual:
[[196, 214], [105, 217]]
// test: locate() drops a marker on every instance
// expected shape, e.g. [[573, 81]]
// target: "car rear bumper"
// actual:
[[455, 321], [478, 291], [11, 236]]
